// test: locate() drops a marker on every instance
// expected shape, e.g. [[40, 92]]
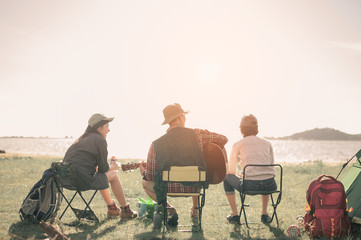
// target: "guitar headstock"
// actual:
[[130, 166]]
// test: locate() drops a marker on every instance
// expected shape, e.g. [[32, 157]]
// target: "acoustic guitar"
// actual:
[[214, 156], [125, 166], [216, 160], [130, 166]]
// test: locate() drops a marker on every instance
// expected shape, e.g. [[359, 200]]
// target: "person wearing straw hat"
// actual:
[[179, 146], [250, 150], [88, 157]]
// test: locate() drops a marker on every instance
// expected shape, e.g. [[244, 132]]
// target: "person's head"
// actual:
[[174, 114], [99, 123], [249, 125]]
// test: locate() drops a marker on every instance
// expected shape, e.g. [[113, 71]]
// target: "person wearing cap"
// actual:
[[88, 158], [251, 149], [180, 146]]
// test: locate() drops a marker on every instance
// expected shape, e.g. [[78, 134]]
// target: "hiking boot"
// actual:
[[172, 217], [233, 219], [265, 218], [113, 210], [127, 212]]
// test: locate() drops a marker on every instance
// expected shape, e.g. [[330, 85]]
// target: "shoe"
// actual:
[[172, 217], [113, 210], [233, 219], [265, 218], [127, 213]]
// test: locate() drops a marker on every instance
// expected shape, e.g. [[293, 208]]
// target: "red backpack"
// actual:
[[326, 208]]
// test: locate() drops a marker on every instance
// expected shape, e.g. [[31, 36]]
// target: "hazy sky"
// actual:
[[295, 65]]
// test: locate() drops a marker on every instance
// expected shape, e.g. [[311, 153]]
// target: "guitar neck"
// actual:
[[130, 166]]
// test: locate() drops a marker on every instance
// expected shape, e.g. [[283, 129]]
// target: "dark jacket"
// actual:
[[178, 147], [84, 156]]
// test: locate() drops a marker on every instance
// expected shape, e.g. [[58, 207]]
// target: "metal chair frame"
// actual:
[[278, 191], [87, 212], [194, 176]]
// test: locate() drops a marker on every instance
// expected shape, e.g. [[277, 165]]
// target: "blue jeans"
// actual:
[[234, 182]]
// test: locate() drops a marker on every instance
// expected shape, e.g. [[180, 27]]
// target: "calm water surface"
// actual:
[[42, 146], [302, 151], [284, 150]]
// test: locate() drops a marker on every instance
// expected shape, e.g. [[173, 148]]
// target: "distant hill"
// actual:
[[322, 134]]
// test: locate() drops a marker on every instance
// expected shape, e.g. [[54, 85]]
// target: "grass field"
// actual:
[[19, 173]]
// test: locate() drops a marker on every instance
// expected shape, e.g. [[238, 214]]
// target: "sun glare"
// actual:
[[209, 72]]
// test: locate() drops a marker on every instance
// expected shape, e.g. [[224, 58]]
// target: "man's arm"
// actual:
[[148, 169], [206, 136]]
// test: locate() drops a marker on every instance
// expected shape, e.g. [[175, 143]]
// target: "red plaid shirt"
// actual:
[[203, 137]]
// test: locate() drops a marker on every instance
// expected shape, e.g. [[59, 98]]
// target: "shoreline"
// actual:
[[285, 151], [17, 155], [26, 137]]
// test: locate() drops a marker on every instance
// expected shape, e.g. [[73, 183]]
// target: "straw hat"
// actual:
[[172, 111], [97, 118]]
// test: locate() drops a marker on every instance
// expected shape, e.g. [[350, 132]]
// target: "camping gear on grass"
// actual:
[[146, 208], [326, 215], [43, 201], [293, 231]]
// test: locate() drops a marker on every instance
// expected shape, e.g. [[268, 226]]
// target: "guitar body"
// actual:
[[216, 160]]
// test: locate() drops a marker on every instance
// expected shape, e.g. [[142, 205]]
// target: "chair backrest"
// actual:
[[62, 169], [64, 175], [279, 185], [184, 174]]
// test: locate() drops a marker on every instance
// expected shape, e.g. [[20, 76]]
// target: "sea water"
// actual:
[[284, 150]]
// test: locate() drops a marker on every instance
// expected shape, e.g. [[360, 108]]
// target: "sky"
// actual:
[[295, 65]]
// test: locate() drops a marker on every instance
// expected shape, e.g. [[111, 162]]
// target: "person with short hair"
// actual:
[[180, 146], [88, 158], [250, 150]]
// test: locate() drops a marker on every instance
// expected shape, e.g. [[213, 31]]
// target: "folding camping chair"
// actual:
[[186, 174], [62, 171], [278, 192]]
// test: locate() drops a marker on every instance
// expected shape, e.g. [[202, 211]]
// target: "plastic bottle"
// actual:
[[157, 218], [142, 207]]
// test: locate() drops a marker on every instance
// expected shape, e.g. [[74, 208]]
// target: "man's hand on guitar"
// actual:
[[142, 167]]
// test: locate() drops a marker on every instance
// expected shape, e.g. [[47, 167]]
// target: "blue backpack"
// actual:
[[43, 201]]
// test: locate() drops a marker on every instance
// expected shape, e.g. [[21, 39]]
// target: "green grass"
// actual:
[[19, 173]]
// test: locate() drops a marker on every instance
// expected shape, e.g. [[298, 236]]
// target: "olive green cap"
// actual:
[[97, 118]]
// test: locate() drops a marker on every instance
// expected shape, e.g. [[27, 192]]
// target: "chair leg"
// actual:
[[200, 212], [201, 202], [69, 204], [274, 211], [87, 205], [76, 211], [165, 213], [243, 198]]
